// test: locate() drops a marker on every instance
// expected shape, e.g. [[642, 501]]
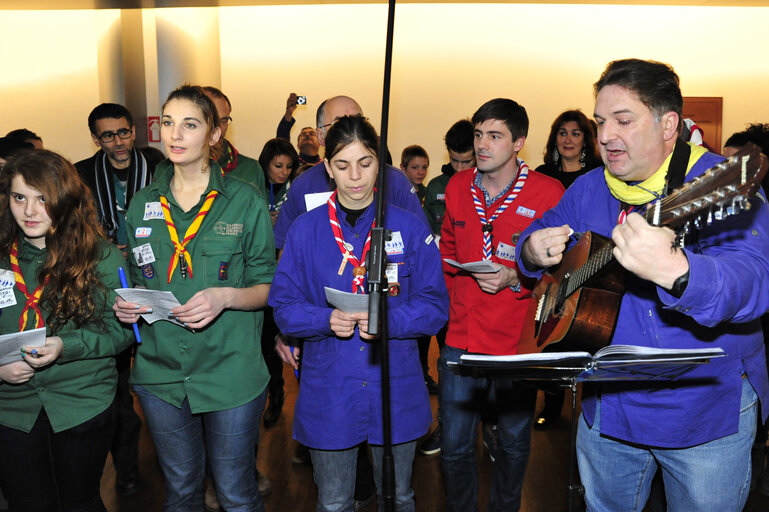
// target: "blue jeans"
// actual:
[[334, 472], [184, 440], [710, 477], [462, 400]]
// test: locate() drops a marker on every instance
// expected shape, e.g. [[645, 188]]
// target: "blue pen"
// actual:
[[296, 372], [124, 284]]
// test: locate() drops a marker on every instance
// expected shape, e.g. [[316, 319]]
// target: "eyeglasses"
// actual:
[[225, 120], [123, 133], [338, 118]]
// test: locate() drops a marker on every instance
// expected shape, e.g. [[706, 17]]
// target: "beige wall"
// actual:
[[448, 60]]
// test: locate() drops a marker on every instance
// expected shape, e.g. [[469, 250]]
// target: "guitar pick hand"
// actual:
[[649, 251]]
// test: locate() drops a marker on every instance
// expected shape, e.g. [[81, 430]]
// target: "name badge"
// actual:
[[392, 272], [7, 282], [153, 210], [7, 279], [505, 251], [312, 201], [143, 232], [526, 212], [394, 246], [143, 255]]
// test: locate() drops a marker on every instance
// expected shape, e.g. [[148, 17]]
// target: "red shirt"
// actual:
[[480, 322]]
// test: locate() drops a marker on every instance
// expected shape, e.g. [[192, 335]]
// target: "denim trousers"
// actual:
[[185, 442], [710, 477], [52, 471], [334, 472], [462, 400]]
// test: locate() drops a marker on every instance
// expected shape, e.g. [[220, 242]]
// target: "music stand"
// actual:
[[567, 369]]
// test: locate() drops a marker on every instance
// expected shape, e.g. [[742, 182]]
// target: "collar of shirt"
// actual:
[[491, 200], [215, 182]]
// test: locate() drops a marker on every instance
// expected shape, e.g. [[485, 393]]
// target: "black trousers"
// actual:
[[125, 442], [56, 472]]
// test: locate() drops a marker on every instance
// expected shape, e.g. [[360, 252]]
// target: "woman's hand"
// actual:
[[203, 307], [39, 357], [285, 352], [16, 373], [363, 326], [128, 312], [343, 324]]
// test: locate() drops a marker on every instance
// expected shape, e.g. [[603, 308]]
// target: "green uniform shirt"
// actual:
[[220, 366], [247, 170], [81, 383], [435, 202]]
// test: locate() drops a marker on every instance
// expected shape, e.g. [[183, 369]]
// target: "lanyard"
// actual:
[[486, 226], [358, 269], [32, 300], [181, 248]]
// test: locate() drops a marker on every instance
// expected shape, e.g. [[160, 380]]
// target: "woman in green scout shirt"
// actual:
[[57, 272], [207, 238]]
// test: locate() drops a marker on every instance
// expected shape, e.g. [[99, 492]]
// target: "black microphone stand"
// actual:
[[377, 281]]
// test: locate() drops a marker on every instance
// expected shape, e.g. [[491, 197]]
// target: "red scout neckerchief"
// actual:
[[486, 226], [232, 158], [181, 249], [32, 300], [358, 269]]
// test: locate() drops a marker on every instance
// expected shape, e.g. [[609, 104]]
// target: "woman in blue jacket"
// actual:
[[340, 404]]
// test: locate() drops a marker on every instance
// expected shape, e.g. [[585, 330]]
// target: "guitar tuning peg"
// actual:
[[687, 228], [710, 217], [719, 214], [698, 223]]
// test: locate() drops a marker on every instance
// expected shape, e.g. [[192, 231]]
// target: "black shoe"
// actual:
[[361, 505], [432, 386], [127, 486], [301, 455], [272, 413], [432, 445]]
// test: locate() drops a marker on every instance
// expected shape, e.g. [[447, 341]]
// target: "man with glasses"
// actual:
[[307, 140], [117, 171], [114, 174], [230, 160]]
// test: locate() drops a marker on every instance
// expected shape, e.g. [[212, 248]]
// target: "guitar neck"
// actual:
[[592, 266]]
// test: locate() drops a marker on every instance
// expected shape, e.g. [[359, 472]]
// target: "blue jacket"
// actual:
[[340, 401], [728, 291], [315, 180]]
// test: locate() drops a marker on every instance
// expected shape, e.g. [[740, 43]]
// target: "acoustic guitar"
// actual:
[[575, 305]]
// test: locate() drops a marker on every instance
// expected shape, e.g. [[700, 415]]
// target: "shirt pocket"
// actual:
[[399, 290], [223, 262]]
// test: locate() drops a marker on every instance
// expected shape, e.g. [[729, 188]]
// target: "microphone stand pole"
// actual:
[[377, 282]]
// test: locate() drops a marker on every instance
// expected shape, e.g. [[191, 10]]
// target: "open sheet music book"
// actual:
[[614, 362]]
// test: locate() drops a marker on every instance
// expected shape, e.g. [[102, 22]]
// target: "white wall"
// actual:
[[449, 59], [50, 77]]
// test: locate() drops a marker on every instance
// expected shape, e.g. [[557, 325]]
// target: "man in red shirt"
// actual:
[[486, 210]]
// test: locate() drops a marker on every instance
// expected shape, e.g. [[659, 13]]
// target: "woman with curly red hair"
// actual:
[[56, 404]]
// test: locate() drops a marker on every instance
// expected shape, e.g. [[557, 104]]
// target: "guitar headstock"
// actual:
[[724, 189]]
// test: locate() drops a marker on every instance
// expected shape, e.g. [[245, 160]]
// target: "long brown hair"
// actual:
[[72, 242], [589, 143]]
